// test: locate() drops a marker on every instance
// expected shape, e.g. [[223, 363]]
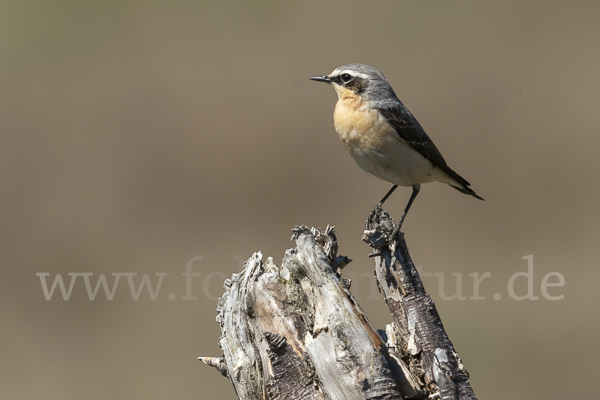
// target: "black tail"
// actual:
[[468, 190]]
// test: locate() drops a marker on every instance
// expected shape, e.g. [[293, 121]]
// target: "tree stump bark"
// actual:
[[295, 331]]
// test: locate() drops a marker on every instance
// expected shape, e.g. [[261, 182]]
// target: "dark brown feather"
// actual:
[[409, 130]]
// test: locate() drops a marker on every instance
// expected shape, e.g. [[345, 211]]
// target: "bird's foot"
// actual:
[[378, 227], [394, 234], [375, 210], [398, 226]]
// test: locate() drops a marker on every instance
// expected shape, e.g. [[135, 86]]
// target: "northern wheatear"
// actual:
[[383, 137]]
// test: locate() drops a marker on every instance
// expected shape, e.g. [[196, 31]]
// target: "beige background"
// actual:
[[138, 135]]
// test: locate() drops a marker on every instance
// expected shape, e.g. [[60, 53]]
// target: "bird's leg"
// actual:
[[386, 196], [414, 194], [378, 205]]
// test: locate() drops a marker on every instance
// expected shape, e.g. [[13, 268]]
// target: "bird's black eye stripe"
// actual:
[[345, 78]]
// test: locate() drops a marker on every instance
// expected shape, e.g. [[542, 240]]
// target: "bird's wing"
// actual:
[[409, 130]]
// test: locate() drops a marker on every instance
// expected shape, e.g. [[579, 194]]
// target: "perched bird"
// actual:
[[383, 137]]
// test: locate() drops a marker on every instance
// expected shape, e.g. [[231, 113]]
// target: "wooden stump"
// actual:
[[295, 331]]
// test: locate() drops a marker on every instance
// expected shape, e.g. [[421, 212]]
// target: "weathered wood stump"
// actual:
[[295, 331]]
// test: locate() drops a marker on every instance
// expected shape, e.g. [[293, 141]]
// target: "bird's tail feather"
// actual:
[[468, 190]]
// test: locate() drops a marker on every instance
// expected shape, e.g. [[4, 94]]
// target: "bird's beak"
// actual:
[[323, 78]]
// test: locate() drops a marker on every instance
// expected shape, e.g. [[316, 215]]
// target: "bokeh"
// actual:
[[140, 137]]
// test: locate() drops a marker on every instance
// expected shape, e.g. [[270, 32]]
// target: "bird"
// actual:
[[383, 137]]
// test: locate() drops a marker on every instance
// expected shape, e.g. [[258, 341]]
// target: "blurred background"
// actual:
[[143, 137]]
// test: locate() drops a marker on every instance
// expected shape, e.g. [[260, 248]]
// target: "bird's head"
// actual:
[[359, 82]]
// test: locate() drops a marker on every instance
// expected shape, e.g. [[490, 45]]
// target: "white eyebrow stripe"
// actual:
[[353, 73]]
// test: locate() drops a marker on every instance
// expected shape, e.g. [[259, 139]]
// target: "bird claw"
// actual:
[[395, 233], [375, 210], [397, 228]]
